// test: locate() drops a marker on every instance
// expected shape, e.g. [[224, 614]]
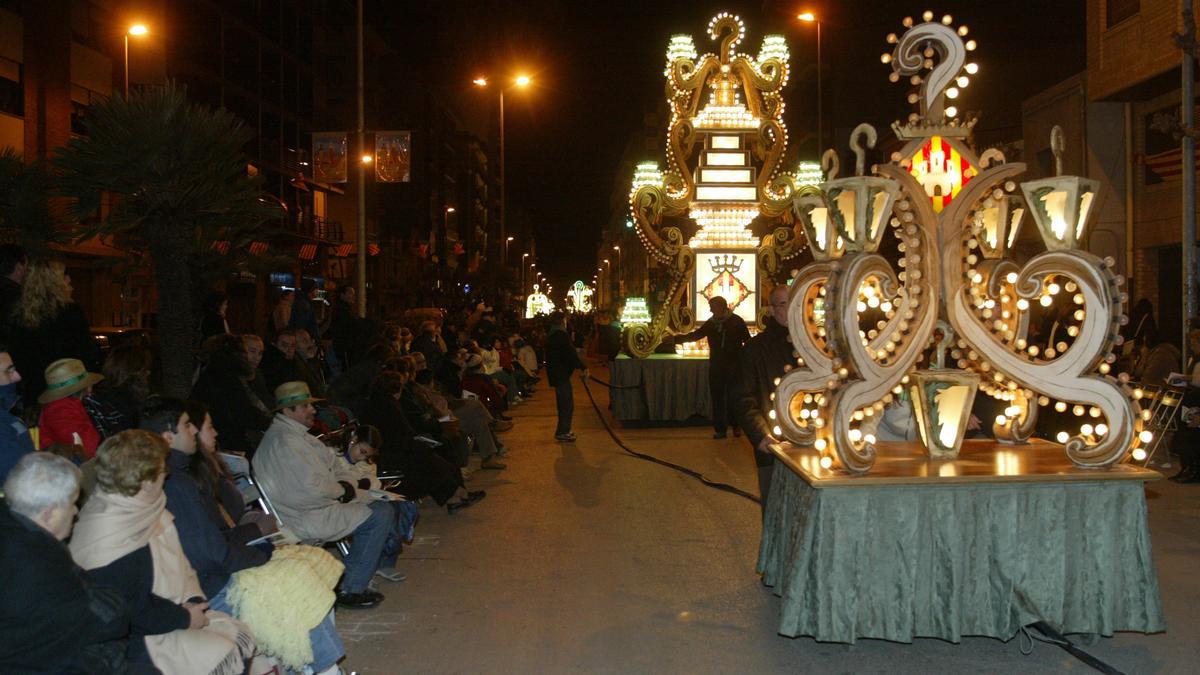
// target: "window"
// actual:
[[12, 94], [1116, 11]]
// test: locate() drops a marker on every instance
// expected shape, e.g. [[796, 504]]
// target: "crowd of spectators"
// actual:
[[216, 534]]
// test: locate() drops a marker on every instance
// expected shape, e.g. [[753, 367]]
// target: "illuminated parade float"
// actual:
[[537, 304], [978, 537], [579, 298], [725, 145], [913, 305]]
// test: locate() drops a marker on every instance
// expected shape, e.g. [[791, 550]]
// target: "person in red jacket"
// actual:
[[63, 418]]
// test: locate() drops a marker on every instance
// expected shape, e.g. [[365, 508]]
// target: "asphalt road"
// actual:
[[584, 559]]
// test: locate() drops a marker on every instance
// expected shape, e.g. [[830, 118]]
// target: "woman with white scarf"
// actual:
[[127, 539]]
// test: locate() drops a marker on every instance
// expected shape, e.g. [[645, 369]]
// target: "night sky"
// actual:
[[598, 69]]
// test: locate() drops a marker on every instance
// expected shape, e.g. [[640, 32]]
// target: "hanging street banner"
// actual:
[[329, 152], [393, 156]]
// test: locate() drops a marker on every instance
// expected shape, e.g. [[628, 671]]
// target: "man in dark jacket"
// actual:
[[345, 328], [15, 442], [13, 264], [214, 556], [726, 333], [53, 617], [763, 359], [562, 360], [279, 363]]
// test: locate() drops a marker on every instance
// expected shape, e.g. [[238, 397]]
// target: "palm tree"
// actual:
[[167, 177], [26, 216]]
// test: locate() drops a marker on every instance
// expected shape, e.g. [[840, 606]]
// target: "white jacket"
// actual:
[[491, 361], [300, 476], [527, 357]]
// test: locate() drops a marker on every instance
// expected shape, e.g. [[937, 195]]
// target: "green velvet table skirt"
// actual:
[[944, 561], [661, 388]]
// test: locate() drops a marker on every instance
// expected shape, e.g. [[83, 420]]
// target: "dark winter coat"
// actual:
[[761, 361], [561, 358], [50, 610], [66, 335], [214, 555]]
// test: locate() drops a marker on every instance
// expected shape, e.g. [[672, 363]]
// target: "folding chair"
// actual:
[[1164, 413], [264, 502]]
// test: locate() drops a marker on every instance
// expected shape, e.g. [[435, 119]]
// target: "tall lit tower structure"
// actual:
[[724, 145]]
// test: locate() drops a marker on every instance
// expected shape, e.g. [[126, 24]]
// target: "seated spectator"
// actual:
[[215, 555], [308, 357], [224, 386], [126, 382], [448, 376], [313, 495], [526, 358], [472, 416], [359, 450], [218, 483], [63, 418], [429, 342], [1158, 360], [430, 422], [15, 441], [279, 363], [128, 541], [490, 353], [53, 616], [424, 471], [352, 388], [253, 347], [213, 322], [475, 381]]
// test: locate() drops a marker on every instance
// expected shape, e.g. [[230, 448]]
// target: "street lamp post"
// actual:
[[523, 268], [139, 30], [620, 279], [507, 241], [809, 17], [521, 81]]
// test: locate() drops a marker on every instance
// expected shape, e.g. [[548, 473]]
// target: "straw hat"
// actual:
[[65, 377], [291, 394]]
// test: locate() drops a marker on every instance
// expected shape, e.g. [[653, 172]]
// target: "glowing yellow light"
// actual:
[[523, 80], [138, 29], [1146, 436], [1062, 436], [480, 82], [820, 444], [1139, 454], [367, 159], [826, 462], [807, 16]]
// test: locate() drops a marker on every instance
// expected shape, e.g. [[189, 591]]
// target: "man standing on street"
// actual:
[[764, 358], [561, 362], [726, 333], [13, 265]]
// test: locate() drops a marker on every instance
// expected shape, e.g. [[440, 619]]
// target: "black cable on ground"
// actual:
[[1053, 637], [725, 487]]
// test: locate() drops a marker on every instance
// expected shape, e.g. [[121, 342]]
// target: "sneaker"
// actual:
[[566, 438], [493, 464], [364, 600], [472, 497], [391, 574]]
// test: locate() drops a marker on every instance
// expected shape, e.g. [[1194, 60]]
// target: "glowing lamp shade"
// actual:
[[997, 225], [1062, 209], [813, 212], [860, 207], [942, 402]]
